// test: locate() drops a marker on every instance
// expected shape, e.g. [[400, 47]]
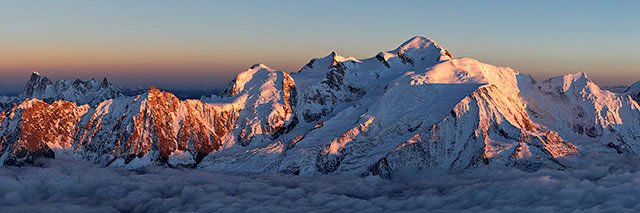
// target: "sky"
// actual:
[[203, 44]]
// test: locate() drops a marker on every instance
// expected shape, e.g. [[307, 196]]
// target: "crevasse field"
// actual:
[[64, 186]]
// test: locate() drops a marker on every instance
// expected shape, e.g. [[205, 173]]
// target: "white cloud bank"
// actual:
[[63, 186]]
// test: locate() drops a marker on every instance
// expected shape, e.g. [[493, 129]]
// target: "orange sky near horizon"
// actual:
[[193, 45]]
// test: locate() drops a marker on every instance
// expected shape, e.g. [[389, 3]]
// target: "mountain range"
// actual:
[[413, 107]]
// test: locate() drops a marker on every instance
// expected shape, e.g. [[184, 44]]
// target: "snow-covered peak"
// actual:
[[337, 58], [422, 45], [153, 91], [579, 77], [259, 66], [81, 92], [35, 74], [578, 88], [571, 82], [270, 97], [105, 83], [326, 62], [469, 71], [257, 72], [36, 81], [417, 42]]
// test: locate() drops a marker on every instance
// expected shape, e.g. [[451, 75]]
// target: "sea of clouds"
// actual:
[[66, 186]]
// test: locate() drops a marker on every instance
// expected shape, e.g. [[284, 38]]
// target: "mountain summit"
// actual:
[[413, 107], [81, 92], [419, 42]]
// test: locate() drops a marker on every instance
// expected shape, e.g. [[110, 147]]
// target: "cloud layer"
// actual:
[[63, 186]]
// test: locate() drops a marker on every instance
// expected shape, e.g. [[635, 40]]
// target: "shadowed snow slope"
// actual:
[[634, 91], [413, 107]]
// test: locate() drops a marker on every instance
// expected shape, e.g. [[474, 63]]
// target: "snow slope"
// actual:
[[634, 91], [584, 112]]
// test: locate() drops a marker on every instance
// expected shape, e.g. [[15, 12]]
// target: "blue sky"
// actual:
[[203, 44]]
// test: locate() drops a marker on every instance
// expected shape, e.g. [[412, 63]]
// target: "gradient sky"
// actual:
[[204, 44]]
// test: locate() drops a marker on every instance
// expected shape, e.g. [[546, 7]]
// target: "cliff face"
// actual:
[[152, 128], [158, 127], [35, 128]]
